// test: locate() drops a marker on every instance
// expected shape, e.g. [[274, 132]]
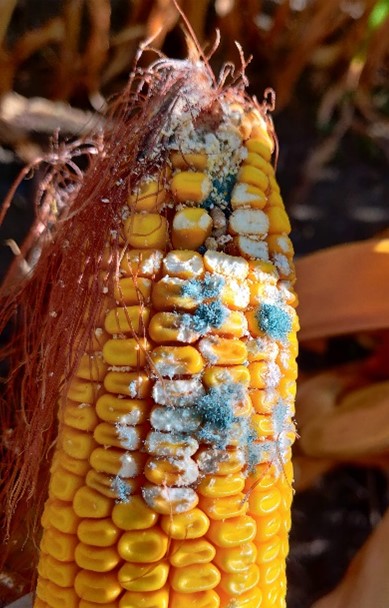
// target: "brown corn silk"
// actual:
[[73, 286]]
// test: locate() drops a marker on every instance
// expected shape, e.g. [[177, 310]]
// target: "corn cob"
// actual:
[[171, 480]]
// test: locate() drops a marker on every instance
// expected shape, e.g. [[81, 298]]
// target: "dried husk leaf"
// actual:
[[344, 289], [366, 584], [357, 427]]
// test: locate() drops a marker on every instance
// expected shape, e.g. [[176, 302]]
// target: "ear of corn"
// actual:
[[171, 481]]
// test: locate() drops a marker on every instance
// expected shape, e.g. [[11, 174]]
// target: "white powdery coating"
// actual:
[[272, 375], [208, 461], [169, 444], [186, 334], [282, 264], [284, 244], [206, 347], [180, 499], [174, 266], [188, 470], [253, 248], [177, 420], [182, 222], [257, 346], [168, 366], [227, 265], [129, 466], [132, 418], [129, 436], [149, 265], [249, 221], [241, 197], [178, 393], [239, 291]]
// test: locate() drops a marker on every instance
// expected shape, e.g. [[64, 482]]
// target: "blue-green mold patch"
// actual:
[[274, 321], [220, 195], [206, 316], [203, 289]]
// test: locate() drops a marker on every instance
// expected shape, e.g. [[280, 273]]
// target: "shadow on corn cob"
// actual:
[[161, 330]]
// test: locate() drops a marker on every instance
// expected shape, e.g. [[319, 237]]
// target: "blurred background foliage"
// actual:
[[328, 61]]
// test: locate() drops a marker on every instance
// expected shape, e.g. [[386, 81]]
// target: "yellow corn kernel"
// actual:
[[200, 599], [223, 508], [79, 417], [99, 587], [235, 325], [98, 532], [176, 360], [97, 559], [259, 147], [119, 436], [171, 445], [73, 465], [130, 352], [257, 161], [251, 247], [82, 391], [192, 579], [188, 552], [190, 186], [167, 327], [263, 401], [278, 221], [218, 486], [236, 559], [183, 264], [104, 484], [192, 160], [227, 462], [232, 532], [269, 573], [237, 583], [262, 426], [60, 573], [148, 196], [62, 517], [275, 198], [59, 545], [63, 484], [247, 196], [248, 174], [249, 222], [141, 262], [217, 375], [168, 501], [235, 294], [264, 503], [280, 243], [191, 226], [223, 351], [76, 443], [143, 546], [89, 503], [117, 462], [91, 367], [126, 411], [133, 290], [134, 515], [139, 577], [38, 603], [185, 526], [264, 477], [145, 599], [269, 551], [167, 294], [250, 599], [86, 604], [131, 319], [146, 230], [171, 471], [60, 597]]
